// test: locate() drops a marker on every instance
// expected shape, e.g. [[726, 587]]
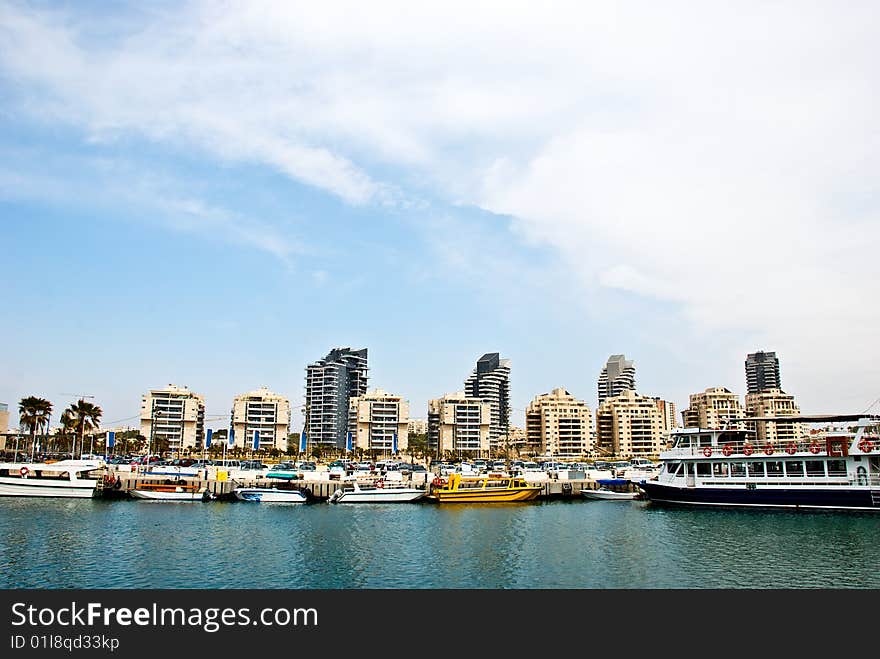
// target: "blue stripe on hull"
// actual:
[[790, 498]]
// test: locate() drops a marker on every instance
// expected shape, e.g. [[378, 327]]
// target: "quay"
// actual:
[[115, 484]]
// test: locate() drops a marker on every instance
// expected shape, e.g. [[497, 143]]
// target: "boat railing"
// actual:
[[812, 447]]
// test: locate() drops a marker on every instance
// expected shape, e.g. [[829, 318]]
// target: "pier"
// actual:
[[115, 484]]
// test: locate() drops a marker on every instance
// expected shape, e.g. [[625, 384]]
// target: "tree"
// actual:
[[34, 414], [84, 416]]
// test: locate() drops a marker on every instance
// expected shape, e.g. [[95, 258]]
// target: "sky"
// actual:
[[215, 194]]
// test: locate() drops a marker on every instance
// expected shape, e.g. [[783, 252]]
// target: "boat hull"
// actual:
[[486, 496], [379, 496], [36, 487], [609, 496], [267, 495], [152, 495], [766, 497]]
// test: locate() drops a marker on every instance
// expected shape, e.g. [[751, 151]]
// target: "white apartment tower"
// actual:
[[560, 425], [618, 375], [712, 408], [459, 424], [374, 420], [263, 414], [175, 414]]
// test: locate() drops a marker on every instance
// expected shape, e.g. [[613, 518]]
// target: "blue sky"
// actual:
[[215, 194]]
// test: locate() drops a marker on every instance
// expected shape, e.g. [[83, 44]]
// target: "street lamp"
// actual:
[[156, 413]]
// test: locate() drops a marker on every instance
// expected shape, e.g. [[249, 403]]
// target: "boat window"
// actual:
[[689, 468], [672, 467], [704, 469], [719, 470], [836, 468], [737, 469], [756, 469], [774, 468], [794, 468], [815, 468]]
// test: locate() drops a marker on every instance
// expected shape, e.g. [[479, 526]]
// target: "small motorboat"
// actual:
[[170, 492], [612, 489], [604, 494], [270, 495], [380, 492]]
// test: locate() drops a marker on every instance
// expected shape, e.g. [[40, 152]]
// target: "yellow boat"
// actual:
[[483, 489]]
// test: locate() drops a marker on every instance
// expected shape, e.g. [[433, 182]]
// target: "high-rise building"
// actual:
[[4, 425], [560, 425], [630, 425], [762, 372], [375, 418], [459, 424], [773, 403], [667, 413], [175, 414], [490, 381], [330, 384], [618, 375], [418, 427], [712, 408], [263, 413]]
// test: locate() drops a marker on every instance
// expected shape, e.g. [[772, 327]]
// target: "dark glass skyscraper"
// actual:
[[330, 383], [490, 381], [762, 372]]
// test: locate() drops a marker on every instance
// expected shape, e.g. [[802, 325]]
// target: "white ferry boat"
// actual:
[[728, 467], [380, 492], [66, 478]]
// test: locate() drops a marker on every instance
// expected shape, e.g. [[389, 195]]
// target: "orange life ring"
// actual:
[[437, 482], [866, 445], [814, 447], [768, 449], [727, 450], [791, 449], [707, 451], [380, 484], [24, 471], [748, 449]]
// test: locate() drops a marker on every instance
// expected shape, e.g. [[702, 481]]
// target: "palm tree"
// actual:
[[82, 416], [34, 414]]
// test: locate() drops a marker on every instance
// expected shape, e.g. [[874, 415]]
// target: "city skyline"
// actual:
[[199, 194]]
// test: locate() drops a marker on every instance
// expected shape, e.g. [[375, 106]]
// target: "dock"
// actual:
[[116, 485]]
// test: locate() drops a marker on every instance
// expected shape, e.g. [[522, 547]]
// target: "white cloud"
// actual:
[[720, 158]]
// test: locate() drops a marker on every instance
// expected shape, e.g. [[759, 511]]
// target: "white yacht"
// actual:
[[380, 492], [65, 478]]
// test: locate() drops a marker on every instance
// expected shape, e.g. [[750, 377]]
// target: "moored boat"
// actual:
[[729, 467], [64, 479], [170, 492], [269, 495], [483, 489], [617, 489], [380, 492]]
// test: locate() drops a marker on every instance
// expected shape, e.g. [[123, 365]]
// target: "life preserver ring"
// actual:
[[707, 451], [24, 471], [380, 484], [748, 449], [727, 450], [814, 447], [791, 449], [768, 449], [437, 482], [866, 445]]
